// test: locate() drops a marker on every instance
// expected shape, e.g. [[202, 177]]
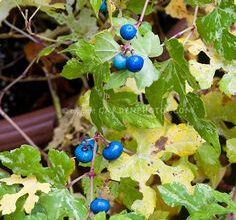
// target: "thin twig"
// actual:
[[77, 180], [30, 79], [193, 25], [55, 99], [191, 28], [179, 34], [2, 93], [195, 15], [13, 62], [20, 31], [11, 35], [22, 133]]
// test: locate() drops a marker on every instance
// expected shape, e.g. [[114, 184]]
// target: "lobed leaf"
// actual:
[[205, 203], [26, 161], [213, 28], [175, 72]]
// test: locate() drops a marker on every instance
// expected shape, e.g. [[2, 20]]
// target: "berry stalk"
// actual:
[[140, 21]]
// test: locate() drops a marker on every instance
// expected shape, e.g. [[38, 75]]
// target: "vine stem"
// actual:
[[193, 25], [142, 14], [191, 29], [91, 173], [126, 46], [77, 180]]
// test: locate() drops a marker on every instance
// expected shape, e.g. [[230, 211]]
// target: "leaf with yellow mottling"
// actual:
[[179, 174], [140, 167], [30, 187]]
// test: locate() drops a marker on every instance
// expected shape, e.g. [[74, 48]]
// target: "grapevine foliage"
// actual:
[[168, 115]]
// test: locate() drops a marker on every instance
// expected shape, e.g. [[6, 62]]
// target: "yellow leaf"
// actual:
[[45, 3], [180, 174], [204, 73], [30, 187], [139, 168], [177, 9], [196, 46], [146, 138], [182, 140], [148, 203]]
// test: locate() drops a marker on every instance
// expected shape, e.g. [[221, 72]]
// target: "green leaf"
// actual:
[[113, 112], [99, 165], [83, 50], [86, 62], [128, 216], [147, 75], [101, 74], [100, 216], [60, 203], [61, 165], [129, 192], [6, 6], [210, 165], [26, 161], [46, 51], [5, 189], [74, 69], [174, 73], [197, 2], [137, 6], [147, 45], [106, 47], [117, 80], [96, 5], [231, 150], [191, 108], [228, 84], [98, 184], [204, 204], [213, 28]]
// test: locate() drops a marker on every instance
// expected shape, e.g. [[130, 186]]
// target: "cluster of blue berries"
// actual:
[[84, 154], [84, 151], [133, 63]]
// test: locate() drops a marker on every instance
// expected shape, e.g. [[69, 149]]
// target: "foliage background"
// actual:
[[176, 117]]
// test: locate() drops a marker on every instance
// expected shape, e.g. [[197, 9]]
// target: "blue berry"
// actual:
[[83, 153], [103, 7], [134, 63], [89, 143], [128, 31], [113, 150], [99, 205], [119, 62]]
